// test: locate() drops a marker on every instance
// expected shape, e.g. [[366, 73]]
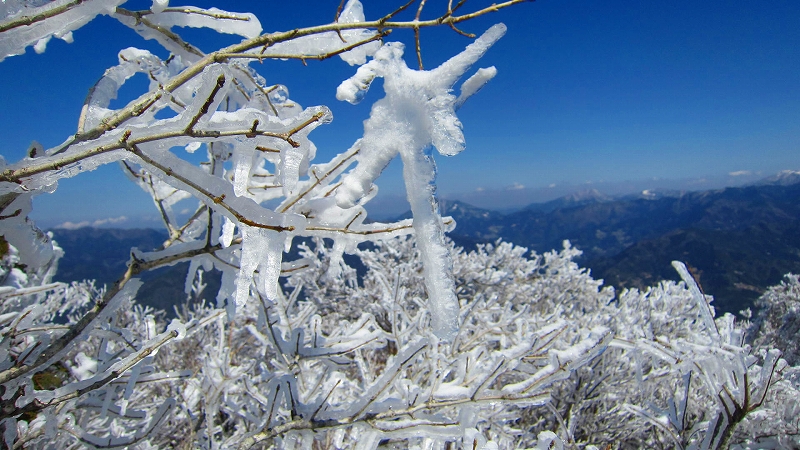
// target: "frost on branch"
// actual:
[[18, 33], [417, 112], [301, 350], [256, 192], [331, 41]]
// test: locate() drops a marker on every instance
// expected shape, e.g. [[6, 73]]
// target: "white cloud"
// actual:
[[73, 225], [515, 187], [479, 189], [110, 220], [739, 173], [97, 223]]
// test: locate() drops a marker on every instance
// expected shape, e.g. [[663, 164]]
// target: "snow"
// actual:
[[85, 367], [706, 311], [549, 441], [159, 5], [452, 391], [178, 327], [475, 83], [417, 112]]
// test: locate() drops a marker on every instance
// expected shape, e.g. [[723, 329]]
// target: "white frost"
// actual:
[[329, 42], [418, 112], [261, 251], [14, 40], [159, 5], [246, 25]]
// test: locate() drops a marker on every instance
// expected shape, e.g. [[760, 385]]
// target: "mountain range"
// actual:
[[737, 241]]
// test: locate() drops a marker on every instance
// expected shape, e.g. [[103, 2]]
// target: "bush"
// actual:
[[428, 347]]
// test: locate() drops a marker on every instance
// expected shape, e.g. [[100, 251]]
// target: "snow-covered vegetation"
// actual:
[[424, 346]]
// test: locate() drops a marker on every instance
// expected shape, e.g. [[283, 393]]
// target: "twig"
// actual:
[[135, 267], [261, 56], [44, 15], [206, 105], [115, 372], [416, 35]]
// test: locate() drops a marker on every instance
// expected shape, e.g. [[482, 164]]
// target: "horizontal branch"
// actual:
[[375, 420], [200, 12], [204, 193], [22, 21], [58, 162], [261, 56], [369, 232]]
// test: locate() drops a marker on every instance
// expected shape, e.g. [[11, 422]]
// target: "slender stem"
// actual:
[[44, 15]]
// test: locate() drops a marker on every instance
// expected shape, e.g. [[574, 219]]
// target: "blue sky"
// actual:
[[615, 95]]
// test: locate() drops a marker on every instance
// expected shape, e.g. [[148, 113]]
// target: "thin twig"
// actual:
[[261, 56], [22, 21], [416, 35]]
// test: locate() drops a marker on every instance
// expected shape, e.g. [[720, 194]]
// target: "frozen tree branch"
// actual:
[[425, 346]]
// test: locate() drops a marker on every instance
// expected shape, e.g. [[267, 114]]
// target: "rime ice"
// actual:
[[15, 40], [417, 112]]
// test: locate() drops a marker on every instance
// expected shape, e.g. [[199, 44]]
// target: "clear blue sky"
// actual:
[[589, 93]]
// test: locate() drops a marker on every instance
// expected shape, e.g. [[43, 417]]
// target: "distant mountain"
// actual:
[[738, 240], [733, 265], [783, 178], [475, 225], [102, 254], [580, 198]]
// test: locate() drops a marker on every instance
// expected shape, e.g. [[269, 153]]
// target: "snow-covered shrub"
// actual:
[[777, 319], [430, 347], [656, 385], [257, 190]]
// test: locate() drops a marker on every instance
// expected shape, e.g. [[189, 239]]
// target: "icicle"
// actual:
[[246, 25], [700, 300], [417, 112], [227, 232], [475, 83], [261, 250], [419, 172]]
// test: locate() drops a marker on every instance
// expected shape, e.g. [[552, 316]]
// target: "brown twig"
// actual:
[[211, 198], [22, 21], [336, 19], [222, 57], [206, 105], [416, 35]]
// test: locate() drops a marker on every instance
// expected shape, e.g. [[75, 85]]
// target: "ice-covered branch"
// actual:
[[417, 112]]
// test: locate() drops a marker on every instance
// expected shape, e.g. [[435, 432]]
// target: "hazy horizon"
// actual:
[[513, 198]]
